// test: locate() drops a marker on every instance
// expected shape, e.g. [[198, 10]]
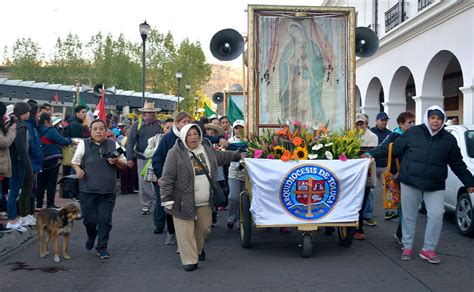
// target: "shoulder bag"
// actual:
[[217, 193], [391, 185]]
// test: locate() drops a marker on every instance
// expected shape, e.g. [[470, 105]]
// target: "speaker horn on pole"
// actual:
[[218, 97], [366, 43], [227, 44]]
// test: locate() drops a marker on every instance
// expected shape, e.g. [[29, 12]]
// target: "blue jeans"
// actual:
[[16, 181], [369, 208]]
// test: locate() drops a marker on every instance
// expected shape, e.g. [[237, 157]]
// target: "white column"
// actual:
[[468, 104], [422, 103], [372, 112], [393, 109]]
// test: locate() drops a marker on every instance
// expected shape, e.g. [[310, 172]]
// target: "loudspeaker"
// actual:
[[227, 44], [366, 43], [218, 97]]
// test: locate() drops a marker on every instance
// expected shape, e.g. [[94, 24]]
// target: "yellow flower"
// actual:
[[301, 153], [278, 150]]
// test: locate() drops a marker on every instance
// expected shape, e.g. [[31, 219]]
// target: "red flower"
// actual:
[[343, 157]]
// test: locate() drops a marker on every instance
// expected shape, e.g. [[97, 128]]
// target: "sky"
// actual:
[[46, 20]]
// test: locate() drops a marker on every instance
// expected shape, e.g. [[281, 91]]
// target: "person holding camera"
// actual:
[[96, 162], [185, 190]]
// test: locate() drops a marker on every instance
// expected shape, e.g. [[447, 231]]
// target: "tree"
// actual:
[[26, 59], [114, 62]]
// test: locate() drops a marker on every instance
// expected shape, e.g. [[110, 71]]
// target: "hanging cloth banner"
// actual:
[[306, 191]]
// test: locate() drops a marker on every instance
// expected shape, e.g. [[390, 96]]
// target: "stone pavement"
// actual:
[[142, 262]]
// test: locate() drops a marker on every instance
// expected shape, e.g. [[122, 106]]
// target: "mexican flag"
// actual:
[[208, 111], [233, 111], [78, 102]]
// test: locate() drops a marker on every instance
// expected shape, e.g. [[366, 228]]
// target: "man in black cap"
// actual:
[[382, 132]]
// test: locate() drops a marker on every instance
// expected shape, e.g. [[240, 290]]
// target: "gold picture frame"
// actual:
[[300, 27]]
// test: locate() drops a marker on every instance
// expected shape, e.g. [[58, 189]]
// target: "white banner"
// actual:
[[306, 191]]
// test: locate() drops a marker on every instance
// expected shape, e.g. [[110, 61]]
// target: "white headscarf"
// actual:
[[425, 119], [182, 135]]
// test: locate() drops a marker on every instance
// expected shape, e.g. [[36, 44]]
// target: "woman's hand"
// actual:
[[112, 161], [79, 173], [470, 190]]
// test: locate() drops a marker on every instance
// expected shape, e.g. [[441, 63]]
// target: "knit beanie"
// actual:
[[436, 112], [21, 108], [3, 109]]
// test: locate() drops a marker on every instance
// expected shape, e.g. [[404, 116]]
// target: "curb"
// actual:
[[12, 241]]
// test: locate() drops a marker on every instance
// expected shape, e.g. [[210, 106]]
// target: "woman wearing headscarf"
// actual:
[[185, 190], [427, 150]]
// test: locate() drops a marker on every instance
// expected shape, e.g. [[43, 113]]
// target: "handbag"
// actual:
[[218, 196], [147, 172], [391, 185], [67, 153]]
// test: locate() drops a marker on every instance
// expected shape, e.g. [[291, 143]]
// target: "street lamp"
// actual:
[[179, 75], [196, 102], [144, 29], [188, 87]]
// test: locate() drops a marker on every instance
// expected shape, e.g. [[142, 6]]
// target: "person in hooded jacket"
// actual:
[[51, 141], [21, 167], [185, 190], [427, 150]]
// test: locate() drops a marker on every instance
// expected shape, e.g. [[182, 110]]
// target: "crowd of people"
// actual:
[[175, 163]]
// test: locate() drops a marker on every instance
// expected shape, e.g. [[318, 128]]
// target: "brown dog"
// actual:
[[51, 223]]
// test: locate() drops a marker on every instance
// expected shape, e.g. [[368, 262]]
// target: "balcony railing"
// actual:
[[422, 4], [394, 16]]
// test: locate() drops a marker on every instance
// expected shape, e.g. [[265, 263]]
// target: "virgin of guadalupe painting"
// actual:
[[302, 67]]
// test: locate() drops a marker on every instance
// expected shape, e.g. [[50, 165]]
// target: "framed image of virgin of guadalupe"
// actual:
[[301, 63]]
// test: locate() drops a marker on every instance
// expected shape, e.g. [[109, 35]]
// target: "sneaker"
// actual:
[[390, 215], [230, 226], [430, 256], [170, 239], [406, 254], [370, 221], [27, 221], [16, 226], [3, 229], [145, 211], [359, 235], [398, 239], [103, 254]]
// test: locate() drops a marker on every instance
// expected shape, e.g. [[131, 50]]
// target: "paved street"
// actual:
[[142, 262]]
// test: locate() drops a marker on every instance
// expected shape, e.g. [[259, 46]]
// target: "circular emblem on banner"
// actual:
[[309, 192]]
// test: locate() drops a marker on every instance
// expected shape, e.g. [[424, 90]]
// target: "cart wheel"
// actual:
[[307, 245], [245, 221], [346, 235]]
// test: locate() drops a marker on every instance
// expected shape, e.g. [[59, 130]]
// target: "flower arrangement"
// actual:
[[298, 142]]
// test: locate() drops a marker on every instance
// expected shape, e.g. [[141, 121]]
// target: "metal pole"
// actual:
[[187, 99], [179, 90], [143, 71]]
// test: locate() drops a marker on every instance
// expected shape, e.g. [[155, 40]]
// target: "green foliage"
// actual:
[[114, 62]]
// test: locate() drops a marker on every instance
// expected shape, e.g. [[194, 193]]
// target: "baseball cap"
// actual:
[[55, 120], [361, 118], [382, 116], [238, 123]]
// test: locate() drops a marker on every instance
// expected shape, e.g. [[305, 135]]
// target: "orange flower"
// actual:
[[297, 141], [281, 132], [286, 156]]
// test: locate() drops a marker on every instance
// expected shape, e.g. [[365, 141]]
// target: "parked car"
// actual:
[[457, 198]]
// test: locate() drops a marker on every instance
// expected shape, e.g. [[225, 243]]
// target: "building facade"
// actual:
[[425, 57]]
